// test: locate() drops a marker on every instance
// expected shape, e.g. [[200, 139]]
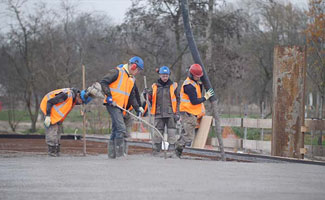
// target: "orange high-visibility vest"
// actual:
[[186, 105], [121, 88], [145, 110], [172, 89], [59, 111]]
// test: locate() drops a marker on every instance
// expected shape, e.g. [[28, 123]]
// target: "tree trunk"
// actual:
[[205, 79], [179, 52]]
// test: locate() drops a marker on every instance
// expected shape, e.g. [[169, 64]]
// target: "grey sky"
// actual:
[[114, 8]]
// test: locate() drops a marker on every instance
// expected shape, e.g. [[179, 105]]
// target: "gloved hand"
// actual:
[[47, 121], [209, 94], [109, 100], [177, 117], [145, 91], [85, 98], [141, 111]]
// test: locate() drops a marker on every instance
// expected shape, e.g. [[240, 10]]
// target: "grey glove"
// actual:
[[47, 121], [209, 94]]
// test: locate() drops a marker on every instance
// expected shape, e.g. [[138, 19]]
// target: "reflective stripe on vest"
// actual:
[[172, 95], [121, 88], [59, 111], [185, 103]]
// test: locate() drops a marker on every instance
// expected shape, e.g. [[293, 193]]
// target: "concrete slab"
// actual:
[[147, 177]]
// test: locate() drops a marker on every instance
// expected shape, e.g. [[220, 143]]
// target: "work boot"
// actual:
[[179, 150], [156, 149], [51, 151], [57, 150], [119, 147], [125, 147], [111, 149]]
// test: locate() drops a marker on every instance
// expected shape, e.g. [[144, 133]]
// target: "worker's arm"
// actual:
[[55, 100], [191, 92], [108, 79], [137, 95], [133, 100]]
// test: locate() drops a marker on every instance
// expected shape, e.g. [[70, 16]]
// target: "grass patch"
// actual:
[[22, 115], [309, 140], [252, 133]]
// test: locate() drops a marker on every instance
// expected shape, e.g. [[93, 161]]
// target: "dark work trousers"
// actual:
[[118, 126]]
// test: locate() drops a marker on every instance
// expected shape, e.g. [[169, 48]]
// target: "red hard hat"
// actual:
[[196, 70]]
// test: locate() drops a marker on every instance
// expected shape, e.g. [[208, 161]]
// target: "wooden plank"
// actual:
[[304, 129], [203, 132], [314, 125], [257, 123], [234, 122]]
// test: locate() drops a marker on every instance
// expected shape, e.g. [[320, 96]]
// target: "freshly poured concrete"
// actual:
[[146, 177]]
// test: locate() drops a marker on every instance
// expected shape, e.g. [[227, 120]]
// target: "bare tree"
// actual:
[[22, 38]]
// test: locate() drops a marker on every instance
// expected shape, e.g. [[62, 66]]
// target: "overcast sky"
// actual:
[[113, 8]]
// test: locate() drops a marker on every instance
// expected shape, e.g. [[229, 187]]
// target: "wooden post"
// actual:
[[84, 111], [289, 73]]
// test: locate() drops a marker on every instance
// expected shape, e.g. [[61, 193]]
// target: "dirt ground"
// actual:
[[14, 146]]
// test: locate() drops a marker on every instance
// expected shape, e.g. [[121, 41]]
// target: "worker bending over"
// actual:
[[191, 106], [55, 106], [165, 101], [118, 87]]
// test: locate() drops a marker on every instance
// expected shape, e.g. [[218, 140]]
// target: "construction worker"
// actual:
[[128, 120], [55, 106], [118, 87], [165, 101], [191, 106]]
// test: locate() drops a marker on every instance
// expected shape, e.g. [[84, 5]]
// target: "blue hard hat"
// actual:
[[164, 70], [83, 98], [120, 65], [137, 60]]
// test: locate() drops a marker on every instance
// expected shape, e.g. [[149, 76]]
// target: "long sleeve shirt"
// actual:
[[191, 92]]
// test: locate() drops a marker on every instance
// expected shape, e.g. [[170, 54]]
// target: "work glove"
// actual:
[[141, 111], [145, 91], [209, 94], [84, 96], [47, 121], [177, 117], [109, 101]]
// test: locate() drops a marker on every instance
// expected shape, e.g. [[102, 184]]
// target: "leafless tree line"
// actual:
[[44, 50]]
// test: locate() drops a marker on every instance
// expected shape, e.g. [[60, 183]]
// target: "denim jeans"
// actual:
[[118, 126]]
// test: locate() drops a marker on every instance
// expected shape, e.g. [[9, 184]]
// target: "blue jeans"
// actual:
[[118, 126]]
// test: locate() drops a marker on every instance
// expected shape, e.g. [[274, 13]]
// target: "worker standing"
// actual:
[[118, 87], [165, 101], [55, 106], [128, 120], [191, 106]]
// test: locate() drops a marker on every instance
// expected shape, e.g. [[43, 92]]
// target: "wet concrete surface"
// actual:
[[37, 176]]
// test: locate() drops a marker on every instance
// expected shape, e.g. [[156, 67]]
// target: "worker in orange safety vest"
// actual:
[[56, 106], [118, 87], [164, 107], [191, 106]]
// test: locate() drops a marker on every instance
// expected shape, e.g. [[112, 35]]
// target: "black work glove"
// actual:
[[177, 117], [145, 91]]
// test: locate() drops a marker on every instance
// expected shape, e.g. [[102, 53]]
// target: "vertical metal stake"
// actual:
[[84, 111]]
